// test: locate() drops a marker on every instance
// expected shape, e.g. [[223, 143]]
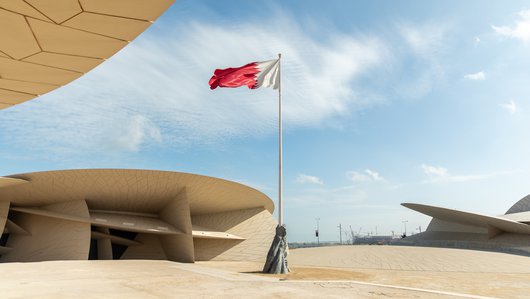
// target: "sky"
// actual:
[[384, 102]]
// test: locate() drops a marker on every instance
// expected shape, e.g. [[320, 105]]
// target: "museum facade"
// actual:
[[131, 214], [452, 228]]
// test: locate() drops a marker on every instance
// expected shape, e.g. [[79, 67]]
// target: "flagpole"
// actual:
[[276, 261], [280, 203]]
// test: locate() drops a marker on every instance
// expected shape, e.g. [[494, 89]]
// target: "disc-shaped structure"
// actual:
[[131, 214], [46, 44]]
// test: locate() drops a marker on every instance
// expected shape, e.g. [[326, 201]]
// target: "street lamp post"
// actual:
[[317, 233], [405, 223], [340, 233]]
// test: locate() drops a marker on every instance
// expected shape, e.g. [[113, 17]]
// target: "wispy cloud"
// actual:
[[157, 88], [476, 41], [129, 136], [510, 107], [521, 29], [438, 174], [366, 175], [435, 171], [308, 179], [347, 195], [426, 43], [424, 40], [475, 76]]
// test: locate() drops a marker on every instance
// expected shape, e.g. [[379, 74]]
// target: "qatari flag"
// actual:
[[252, 75]]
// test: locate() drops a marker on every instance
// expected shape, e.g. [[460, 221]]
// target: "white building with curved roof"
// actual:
[[131, 214], [459, 229]]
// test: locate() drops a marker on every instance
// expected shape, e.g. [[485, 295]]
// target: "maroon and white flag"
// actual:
[[252, 75]]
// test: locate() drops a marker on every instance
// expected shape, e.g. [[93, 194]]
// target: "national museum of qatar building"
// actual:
[[131, 214], [109, 213], [451, 228]]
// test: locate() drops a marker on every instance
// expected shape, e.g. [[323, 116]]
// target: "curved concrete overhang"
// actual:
[[5, 182], [135, 191], [519, 217], [49, 43], [468, 218]]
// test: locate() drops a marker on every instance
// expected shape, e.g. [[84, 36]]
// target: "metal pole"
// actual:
[[280, 204], [318, 232], [340, 233], [405, 222]]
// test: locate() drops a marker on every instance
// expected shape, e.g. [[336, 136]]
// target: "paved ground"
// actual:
[[410, 259], [162, 279], [326, 272], [454, 270]]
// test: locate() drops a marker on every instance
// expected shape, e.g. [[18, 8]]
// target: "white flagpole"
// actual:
[[280, 203]]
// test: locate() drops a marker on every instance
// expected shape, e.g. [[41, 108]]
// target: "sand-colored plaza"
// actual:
[[325, 272]]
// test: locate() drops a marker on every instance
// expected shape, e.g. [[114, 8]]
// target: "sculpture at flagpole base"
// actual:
[[276, 262]]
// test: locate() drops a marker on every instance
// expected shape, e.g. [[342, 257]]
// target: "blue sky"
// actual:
[[385, 102]]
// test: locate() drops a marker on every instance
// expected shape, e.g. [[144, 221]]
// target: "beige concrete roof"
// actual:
[[140, 191], [519, 217], [4, 182], [468, 218], [48, 43]]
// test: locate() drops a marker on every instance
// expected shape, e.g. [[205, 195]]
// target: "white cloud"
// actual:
[[373, 175], [347, 196], [130, 136], [308, 179], [438, 174], [510, 107], [435, 171], [164, 79], [477, 40], [475, 76], [427, 44], [521, 29], [364, 176], [426, 40]]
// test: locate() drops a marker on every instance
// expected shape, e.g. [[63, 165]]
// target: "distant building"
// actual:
[[131, 214], [372, 240], [458, 229]]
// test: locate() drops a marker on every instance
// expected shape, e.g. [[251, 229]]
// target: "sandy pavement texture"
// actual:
[[461, 271], [325, 272]]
